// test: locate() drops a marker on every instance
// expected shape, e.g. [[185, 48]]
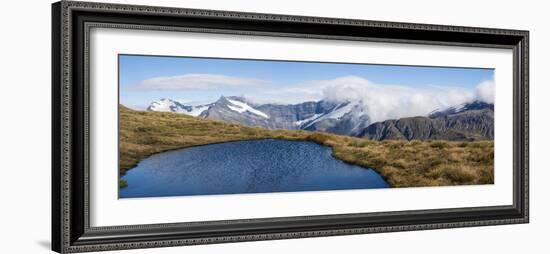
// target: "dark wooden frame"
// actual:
[[71, 22]]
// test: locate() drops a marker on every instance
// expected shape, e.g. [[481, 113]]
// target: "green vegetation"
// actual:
[[401, 163], [122, 183]]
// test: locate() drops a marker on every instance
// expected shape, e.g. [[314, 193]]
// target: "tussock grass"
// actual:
[[401, 163]]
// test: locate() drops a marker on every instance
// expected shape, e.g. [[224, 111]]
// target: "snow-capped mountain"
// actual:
[[237, 110], [476, 105], [346, 118], [168, 105], [342, 118], [242, 106], [467, 121]]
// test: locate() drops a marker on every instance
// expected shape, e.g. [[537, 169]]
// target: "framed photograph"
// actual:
[[182, 126]]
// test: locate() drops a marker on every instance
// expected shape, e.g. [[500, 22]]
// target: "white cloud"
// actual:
[[197, 81], [384, 102], [486, 91], [380, 101]]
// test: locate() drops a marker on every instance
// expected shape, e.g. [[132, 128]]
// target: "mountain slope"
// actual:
[[473, 121], [468, 121], [340, 118], [461, 108], [345, 119], [168, 105], [236, 110]]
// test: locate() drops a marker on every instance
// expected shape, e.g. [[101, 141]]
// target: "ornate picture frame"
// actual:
[[71, 197]]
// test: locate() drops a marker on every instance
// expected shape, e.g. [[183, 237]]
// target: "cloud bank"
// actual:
[[197, 82], [485, 91], [380, 101], [384, 102]]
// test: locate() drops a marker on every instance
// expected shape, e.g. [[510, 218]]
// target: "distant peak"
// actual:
[[233, 98], [169, 105], [237, 98], [474, 105]]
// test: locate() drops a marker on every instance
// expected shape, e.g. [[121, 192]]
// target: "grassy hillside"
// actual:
[[401, 163]]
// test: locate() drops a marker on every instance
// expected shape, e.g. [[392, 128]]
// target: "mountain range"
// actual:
[[469, 121]]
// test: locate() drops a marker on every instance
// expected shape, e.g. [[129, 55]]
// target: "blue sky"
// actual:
[[143, 79]]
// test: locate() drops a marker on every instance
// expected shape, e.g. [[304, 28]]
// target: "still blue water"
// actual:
[[246, 167]]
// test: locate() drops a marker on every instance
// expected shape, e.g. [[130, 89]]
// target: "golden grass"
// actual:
[[401, 163], [145, 133]]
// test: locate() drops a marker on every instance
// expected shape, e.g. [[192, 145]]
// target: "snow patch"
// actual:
[[461, 107], [337, 113], [197, 110], [168, 105], [341, 111], [300, 122], [242, 107], [165, 105], [453, 109]]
